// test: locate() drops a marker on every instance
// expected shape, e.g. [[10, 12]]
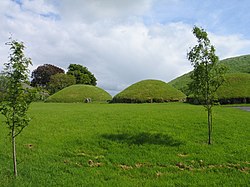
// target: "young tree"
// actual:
[[82, 74], [18, 98], [207, 75]]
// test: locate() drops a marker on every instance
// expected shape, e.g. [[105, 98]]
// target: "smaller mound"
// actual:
[[149, 91], [80, 93], [235, 89]]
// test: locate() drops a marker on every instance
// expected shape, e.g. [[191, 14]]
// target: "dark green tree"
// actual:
[[18, 98], [3, 86], [82, 74], [60, 81], [207, 75], [41, 75]]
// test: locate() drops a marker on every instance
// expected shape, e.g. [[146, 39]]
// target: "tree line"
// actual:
[[53, 78], [49, 79]]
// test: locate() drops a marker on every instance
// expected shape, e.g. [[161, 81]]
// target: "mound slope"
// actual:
[[240, 64], [236, 89], [79, 93], [149, 91]]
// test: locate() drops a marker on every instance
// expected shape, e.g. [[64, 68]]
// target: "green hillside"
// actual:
[[79, 93], [237, 85], [240, 64], [149, 91]]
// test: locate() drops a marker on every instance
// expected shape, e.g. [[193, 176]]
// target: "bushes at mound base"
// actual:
[[149, 91], [80, 93]]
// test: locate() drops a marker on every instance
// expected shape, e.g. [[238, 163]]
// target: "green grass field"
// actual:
[[128, 145]]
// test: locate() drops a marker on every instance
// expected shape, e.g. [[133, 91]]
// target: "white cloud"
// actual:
[[99, 10], [231, 45], [109, 38]]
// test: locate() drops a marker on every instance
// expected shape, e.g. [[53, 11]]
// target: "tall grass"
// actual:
[[129, 145]]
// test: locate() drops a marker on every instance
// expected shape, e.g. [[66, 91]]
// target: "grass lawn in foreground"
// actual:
[[128, 145]]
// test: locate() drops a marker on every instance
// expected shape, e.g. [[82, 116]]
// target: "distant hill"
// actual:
[[79, 93], [149, 91], [240, 64]]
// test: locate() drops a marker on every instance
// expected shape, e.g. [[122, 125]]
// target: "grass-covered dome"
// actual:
[[79, 93], [240, 64], [235, 89], [149, 91]]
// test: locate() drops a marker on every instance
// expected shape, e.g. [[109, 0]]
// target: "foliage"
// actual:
[[149, 91], [129, 145], [3, 86], [207, 75], [82, 74], [60, 81], [79, 93], [41, 94], [18, 98], [41, 75]]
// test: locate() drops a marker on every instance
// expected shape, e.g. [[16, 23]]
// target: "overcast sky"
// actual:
[[123, 41]]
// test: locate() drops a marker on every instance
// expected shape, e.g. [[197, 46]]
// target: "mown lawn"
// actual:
[[128, 145]]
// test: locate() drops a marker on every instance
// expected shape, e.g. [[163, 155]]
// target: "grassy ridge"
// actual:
[[129, 145], [240, 64], [235, 66], [237, 85], [181, 83], [149, 91], [78, 93]]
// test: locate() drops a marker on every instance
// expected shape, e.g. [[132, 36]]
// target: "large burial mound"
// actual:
[[240, 64], [80, 93], [149, 91], [236, 87]]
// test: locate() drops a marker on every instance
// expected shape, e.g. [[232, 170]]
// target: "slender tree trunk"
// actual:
[[14, 151], [209, 122]]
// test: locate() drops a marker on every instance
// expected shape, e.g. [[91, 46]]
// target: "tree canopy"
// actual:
[[60, 81], [3, 86], [41, 75], [82, 74]]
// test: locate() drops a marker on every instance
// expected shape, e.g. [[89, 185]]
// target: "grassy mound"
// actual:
[[149, 91], [236, 88], [239, 64], [79, 93]]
